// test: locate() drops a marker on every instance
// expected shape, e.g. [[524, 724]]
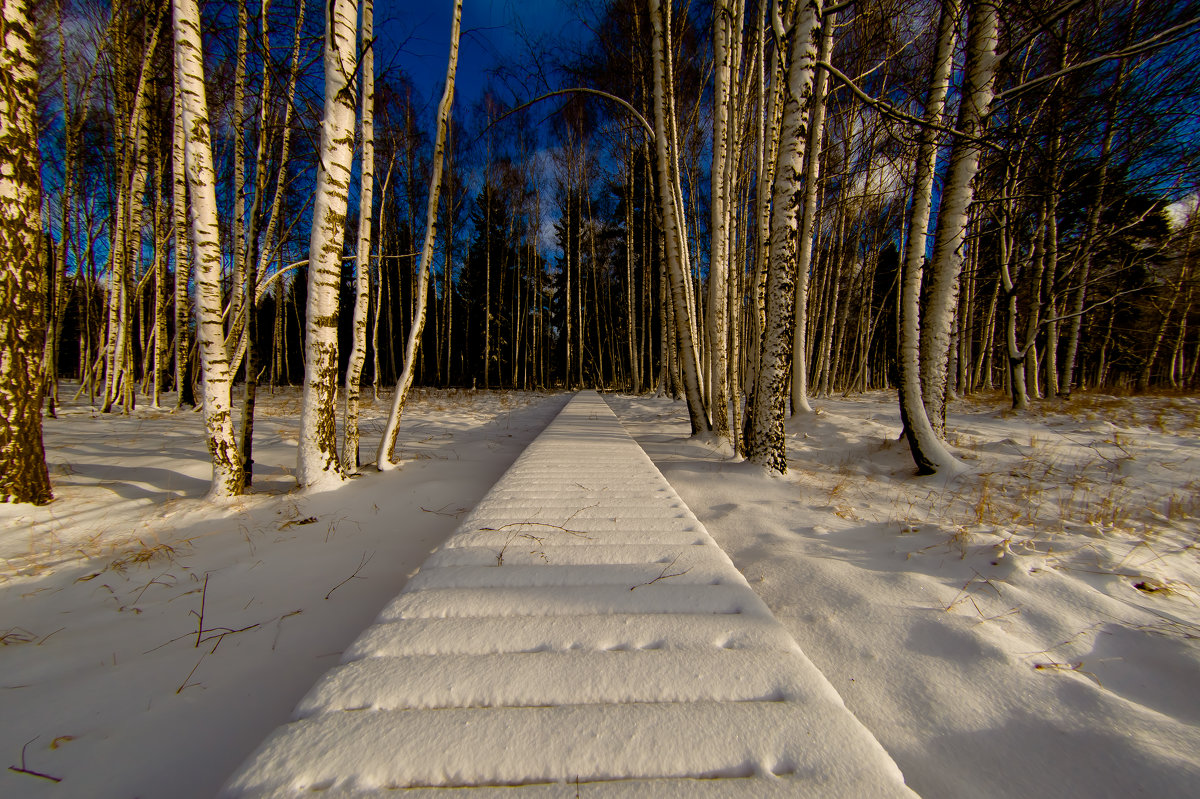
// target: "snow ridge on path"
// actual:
[[580, 632]]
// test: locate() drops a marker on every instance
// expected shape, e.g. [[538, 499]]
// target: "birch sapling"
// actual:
[[387, 444]]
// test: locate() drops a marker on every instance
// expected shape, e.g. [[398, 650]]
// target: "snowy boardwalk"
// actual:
[[580, 634]]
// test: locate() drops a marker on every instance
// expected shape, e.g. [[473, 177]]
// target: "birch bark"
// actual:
[[387, 444], [362, 262], [675, 238], [767, 445], [183, 377], [927, 449], [946, 264], [807, 222], [317, 463], [23, 474], [216, 377], [722, 203]]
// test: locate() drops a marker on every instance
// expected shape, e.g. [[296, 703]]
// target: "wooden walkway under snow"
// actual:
[[580, 634]]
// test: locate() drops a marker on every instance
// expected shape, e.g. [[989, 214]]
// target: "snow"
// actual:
[[988, 630], [102, 585], [691, 704]]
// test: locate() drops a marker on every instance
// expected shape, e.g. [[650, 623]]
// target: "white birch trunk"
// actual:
[[317, 464], [767, 445], [228, 477], [927, 449], [807, 222], [957, 194], [722, 203], [362, 261], [387, 444], [675, 239], [179, 215]]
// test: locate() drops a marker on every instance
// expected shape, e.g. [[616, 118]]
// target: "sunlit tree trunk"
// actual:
[[183, 377], [387, 443], [236, 294], [317, 460], [23, 474], [362, 261], [161, 355], [724, 29], [812, 176], [767, 445], [946, 263], [675, 237], [216, 376]]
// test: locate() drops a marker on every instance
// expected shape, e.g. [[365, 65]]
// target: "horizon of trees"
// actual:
[[742, 202]]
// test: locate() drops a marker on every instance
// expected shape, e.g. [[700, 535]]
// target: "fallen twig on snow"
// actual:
[[363, 562], [663, 575], [22, 769]]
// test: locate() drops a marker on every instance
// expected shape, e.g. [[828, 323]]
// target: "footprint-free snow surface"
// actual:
[[580, 634]]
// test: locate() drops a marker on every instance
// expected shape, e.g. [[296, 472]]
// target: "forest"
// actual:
[[740, 202]]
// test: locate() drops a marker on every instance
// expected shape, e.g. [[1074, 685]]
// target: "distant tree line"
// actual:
[[742, 202]]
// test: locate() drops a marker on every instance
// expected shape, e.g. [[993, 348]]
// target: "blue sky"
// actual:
[[415, 36]]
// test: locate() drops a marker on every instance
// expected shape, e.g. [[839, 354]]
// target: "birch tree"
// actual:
[[23, 474], [927, 449], [362, 263], [766, 444], [670, 208], [215, 372], [317, 460], [946, 263], [179, 216], [812, 176], [726, 25], [387, 444]]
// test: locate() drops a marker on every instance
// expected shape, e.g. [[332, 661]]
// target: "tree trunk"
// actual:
[[812, 176], [956, 200], [216, 376], [23, 473], [767, 445], [927, 449], [362, 263], [183, 383], [317, 459], [387, 444], [674, 233]]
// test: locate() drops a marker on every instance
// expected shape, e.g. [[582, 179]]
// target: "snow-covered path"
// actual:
[[580, 634]]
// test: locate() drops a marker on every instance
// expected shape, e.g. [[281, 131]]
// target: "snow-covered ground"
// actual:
[[103, 682], [1029, 629]]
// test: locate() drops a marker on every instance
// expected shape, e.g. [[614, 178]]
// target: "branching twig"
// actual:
[[442, 511], [363, 562], [663, 575], [579, 533]]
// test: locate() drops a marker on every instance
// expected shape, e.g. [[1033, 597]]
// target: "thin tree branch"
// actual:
[[577, 90], [886, 108]]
